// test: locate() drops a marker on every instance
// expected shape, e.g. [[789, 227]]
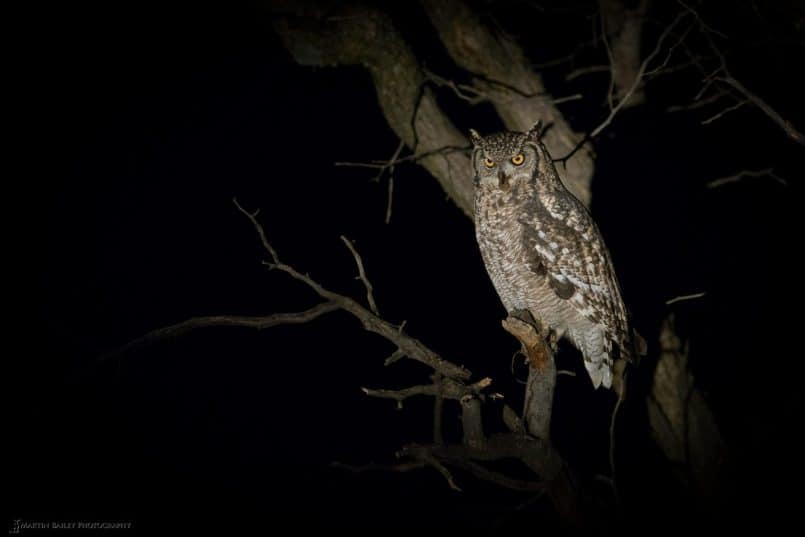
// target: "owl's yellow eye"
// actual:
[[489, 163], [518, 159]]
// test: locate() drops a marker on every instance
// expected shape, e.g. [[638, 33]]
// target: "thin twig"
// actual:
[[370, 297], [253, 218], [701, 21], [383, 165], [783, 123], [465, 92], [626, 96], [389, 199], [684, 297], [768, 172], [698, 103], [257, 322], [638, 78], [434, 462], [724, 112]]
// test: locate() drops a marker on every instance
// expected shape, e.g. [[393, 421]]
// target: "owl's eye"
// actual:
[[518, 159], [489, 163]]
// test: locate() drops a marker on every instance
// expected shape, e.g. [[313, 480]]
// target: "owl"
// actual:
[[544, 253]]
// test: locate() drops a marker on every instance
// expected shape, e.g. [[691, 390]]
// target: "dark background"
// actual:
[[141, 122]]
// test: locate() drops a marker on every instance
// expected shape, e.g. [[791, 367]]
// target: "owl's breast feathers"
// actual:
[[562, 243]]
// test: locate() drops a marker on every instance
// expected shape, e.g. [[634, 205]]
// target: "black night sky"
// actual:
[[143, 121]]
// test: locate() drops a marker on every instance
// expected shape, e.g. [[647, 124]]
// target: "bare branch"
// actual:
[[263, 240], [684, 297], [638, 78], [370, 298], [705, 26], [434, 462], [389, 200], [446, 388], [468, 93], [257, 322], [724, 112], [783, 123], [395, 356], [402, 395], [387, 165], [410, 347], [768, 172], [698, 103], [723, 75]]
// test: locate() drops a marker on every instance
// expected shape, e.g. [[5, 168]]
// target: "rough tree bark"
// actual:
[[623, 31], [683, 425]]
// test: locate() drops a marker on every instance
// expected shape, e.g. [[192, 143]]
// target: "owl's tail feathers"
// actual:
[[600, 372]]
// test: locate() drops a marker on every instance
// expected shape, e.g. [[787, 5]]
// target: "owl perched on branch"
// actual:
[[545, 254]]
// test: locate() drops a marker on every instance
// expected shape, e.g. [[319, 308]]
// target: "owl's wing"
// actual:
[[565, 246]]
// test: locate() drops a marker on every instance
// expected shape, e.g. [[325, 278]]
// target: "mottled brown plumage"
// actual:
[[543, 251]]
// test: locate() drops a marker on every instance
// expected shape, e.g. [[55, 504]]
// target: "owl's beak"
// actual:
[[503, 179]]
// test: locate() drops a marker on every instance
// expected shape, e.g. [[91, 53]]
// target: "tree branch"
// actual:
[[370, 298], [410, 347], [783, 123], [768, 172], [257, 322], [361, 35]]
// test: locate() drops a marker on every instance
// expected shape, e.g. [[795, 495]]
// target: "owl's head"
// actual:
[[505, 158]]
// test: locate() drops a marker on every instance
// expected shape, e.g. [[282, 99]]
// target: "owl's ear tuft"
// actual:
[[535, 133], [477, 141]]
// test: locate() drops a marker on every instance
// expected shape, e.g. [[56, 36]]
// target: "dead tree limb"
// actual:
[[768, 172], [257, 322], [541, 382], [775, 116]]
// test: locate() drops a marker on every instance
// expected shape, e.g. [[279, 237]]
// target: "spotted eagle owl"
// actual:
[[544, 252]]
